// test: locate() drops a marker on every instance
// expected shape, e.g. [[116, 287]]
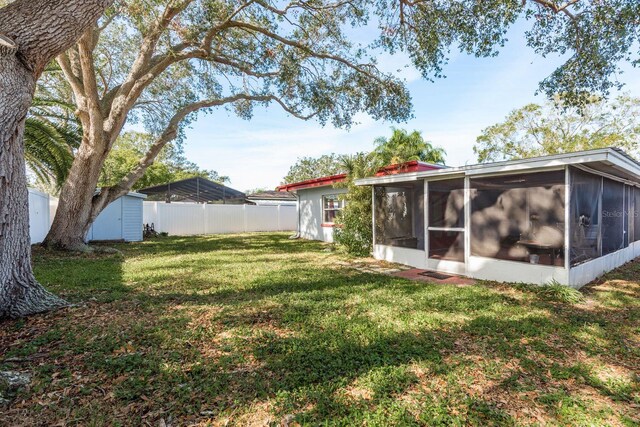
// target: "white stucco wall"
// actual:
[[310, 213]]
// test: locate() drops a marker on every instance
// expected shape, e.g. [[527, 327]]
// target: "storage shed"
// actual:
[[121, 220]]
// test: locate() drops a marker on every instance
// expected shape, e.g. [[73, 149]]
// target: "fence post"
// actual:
[[156, 217], [244, 214], [204, 218]]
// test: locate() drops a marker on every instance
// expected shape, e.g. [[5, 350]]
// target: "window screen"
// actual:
[[399, 215], [446, 244], [628, 214], [446, 203], [613, 217], [331, 206], [519, 217], [585, 216]]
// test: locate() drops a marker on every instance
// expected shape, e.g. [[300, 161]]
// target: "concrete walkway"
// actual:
[[371, 265]]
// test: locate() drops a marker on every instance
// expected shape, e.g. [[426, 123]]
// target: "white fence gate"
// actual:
[[181, 219]]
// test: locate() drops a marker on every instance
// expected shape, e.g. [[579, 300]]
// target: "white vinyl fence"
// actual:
[[39, 222], [183, 219]]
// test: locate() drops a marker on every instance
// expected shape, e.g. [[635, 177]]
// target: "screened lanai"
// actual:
[[565, 218]]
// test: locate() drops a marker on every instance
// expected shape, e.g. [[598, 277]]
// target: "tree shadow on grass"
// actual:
[[307, 339]]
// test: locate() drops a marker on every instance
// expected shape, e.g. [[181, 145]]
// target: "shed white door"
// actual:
[[108, 225]]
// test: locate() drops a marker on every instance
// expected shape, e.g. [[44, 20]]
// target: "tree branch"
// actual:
[[109, 194], [253, 28]]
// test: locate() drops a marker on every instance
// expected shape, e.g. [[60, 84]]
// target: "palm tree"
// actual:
[[50, 137], [404, 146]]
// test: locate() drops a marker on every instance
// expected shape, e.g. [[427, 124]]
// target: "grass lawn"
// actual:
[[258, 329]]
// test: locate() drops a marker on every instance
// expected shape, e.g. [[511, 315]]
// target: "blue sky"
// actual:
[[450, 112]]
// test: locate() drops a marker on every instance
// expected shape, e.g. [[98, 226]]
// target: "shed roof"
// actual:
[[195, 189]]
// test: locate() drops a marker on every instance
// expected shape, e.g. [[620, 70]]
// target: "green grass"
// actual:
[[257, 329]]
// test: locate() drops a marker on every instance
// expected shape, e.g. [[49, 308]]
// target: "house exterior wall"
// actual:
[[310, 213]]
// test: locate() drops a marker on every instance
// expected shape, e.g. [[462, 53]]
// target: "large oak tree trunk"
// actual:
[[20, 293], [76, 211], [33, 32]]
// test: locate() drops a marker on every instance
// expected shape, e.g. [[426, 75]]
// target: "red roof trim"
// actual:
[[316, 182], [412, 166]]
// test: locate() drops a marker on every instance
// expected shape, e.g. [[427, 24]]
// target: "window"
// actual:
[[399, 215], [332, 204], [519, 217], [446, 219]]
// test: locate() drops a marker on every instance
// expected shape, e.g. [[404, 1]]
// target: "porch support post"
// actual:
[[467, 222], [425, 200], [373, 219], [567, 224]]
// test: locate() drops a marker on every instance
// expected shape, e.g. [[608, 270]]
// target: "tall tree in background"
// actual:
[[536, 130], [403, 146], [355, 230], [159, 62], [32, 32], [315, 167], [169, 166]]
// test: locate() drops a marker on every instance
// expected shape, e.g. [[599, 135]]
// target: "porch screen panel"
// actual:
[[446, 219], [519, 217], [447, 245], [612, 216], [628, 215], [399, 216], [586, 191], [446, 203], [636, 215]]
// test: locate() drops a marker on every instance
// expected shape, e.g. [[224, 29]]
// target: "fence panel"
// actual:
[[190, 218], [38, 215], [180, 219], [262, 218]]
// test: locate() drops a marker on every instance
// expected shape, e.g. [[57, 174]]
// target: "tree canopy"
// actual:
[[403, 146], [355, 234], [169, 166], [315, 167], [553, 128], [51, 135]]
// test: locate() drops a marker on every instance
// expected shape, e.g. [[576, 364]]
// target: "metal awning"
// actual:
[[198, 190]]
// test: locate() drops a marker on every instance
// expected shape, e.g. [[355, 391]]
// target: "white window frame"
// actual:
[[341, 204]]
